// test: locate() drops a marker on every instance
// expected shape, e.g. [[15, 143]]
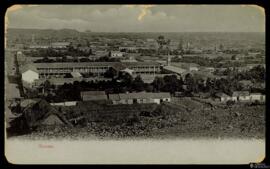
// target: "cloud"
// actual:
[[144, 11], [139, 18]]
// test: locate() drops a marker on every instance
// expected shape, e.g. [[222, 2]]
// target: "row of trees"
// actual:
[[126, 83], [70, 51]]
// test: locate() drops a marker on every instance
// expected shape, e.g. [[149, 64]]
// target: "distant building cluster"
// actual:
[[241, 96]]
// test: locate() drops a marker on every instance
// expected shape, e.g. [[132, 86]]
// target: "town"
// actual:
[[133, 84]]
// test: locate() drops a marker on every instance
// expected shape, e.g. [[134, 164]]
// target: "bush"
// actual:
[[230, 103]]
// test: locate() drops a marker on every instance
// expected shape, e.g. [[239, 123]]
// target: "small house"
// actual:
[[29, 74], [141, 97], [241, 95], [116, 54], [222, 97], [257, 96]]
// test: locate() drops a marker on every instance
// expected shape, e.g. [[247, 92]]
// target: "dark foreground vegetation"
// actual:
[[146, 121]]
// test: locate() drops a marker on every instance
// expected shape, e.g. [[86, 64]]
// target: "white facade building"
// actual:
[[30, 76], [116, 54]]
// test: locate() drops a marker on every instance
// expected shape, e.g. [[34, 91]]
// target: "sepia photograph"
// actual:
[[135, 84]]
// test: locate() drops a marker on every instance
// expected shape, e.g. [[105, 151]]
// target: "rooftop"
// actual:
[[60, 43], [93, 95], [175, 69], [85, 64], [240, 93], [140, 95], [75, 74]]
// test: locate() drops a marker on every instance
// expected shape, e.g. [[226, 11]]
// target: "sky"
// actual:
[[139, 18]]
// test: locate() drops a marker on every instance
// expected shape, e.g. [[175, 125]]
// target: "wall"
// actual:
[[244, 98], [71, 103], [29, 76]]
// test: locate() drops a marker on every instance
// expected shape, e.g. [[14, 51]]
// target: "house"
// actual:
[[101, 53], [76, 74], [26, 102], [93, 95], [84, 49], [29, 74], [257, 96], [187, 66], [127, 70], [174, 69], [223, 97], [52, 119], [55, 69], [116, 54], [68, 103], [39, 46], [241, 96], [128, 48], [142, 97], [42, 113]]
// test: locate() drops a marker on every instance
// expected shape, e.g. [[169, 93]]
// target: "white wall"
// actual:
[[234, 98], [29, 76], [256, 97], [70, 103], [244, 98]]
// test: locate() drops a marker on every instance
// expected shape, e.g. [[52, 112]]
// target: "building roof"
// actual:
[[128, 60], [221, 95], [184, 65], [240, 93], [140, 95], [114, 51], [256, 94], [27, 67], [75, 74], [127, 70], [93, 95], [27, 102], [85, 64], [60, 43], [174, 69]]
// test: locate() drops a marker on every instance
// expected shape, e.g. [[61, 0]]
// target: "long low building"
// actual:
[[49, 70], [241, 96], [142, 97]]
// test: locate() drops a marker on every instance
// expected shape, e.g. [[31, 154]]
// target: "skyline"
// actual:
[[139, 18]]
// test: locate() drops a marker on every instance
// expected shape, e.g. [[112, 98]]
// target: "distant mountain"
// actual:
[[48, 33], [197, 39]]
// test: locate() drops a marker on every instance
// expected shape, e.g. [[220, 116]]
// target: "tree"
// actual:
[[180, 45], [46, 87], [127, 79], [158, 83], [138, 84], [162, 42], [110, 73], [190, 82], [171, 84]]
